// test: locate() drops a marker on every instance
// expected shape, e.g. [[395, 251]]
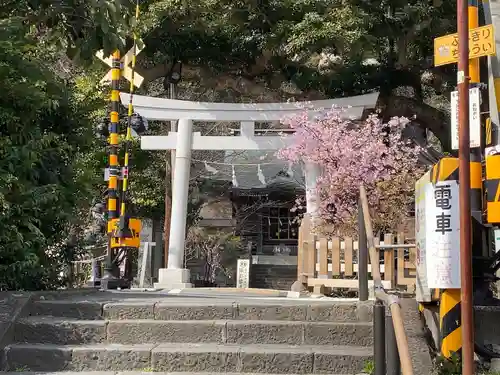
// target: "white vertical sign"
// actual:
[[422, 291], [496, 233], [442, 235], [474, 118], [243, 273]]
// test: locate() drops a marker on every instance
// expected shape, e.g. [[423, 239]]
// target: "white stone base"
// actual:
[[173, 278]]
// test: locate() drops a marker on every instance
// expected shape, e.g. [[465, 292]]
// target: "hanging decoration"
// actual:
[[237, 164], [260, 175], [235, 182], [210, 169]]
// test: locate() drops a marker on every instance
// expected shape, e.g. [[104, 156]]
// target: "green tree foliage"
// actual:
[[51, 163], [308, 49], [79, 27], [43, 129]]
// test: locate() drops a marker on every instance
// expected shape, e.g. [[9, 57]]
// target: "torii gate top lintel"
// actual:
[[169, 109], [246, 114]]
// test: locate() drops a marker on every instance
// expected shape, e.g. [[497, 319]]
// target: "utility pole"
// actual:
[[465, 187]]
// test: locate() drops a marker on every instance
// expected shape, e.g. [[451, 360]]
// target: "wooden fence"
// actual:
[[333, 262]]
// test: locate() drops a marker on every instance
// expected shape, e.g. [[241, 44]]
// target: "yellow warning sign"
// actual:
[[134, 241], [481, 43]]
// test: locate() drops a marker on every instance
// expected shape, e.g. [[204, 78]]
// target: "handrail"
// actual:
[[392, 301], [397, 246]]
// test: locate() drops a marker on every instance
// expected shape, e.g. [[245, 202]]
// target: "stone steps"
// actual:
[[180, 357], [178, 309], [51, 330], [191, 335]]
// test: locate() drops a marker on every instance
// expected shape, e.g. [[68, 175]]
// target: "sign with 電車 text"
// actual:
[[442, 237], [474, 118], [481, 43]]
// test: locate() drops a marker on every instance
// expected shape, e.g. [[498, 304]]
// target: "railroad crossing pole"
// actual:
[[464, 191], [119, 68], [114, 168]]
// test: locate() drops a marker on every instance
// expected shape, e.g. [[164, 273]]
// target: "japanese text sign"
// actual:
[[134, 241], [422, 291], [481, 43], [474, 118], [442, 235]]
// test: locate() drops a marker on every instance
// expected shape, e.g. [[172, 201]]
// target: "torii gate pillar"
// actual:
[[176, 275]]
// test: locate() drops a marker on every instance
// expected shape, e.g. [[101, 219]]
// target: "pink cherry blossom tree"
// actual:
[[351, 153]]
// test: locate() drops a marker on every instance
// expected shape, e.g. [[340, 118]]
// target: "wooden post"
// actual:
[[310, 247], [323, 258], [335, 256], [348, 258], [300, 251], [362, 256], [371, 266], [389, 260]]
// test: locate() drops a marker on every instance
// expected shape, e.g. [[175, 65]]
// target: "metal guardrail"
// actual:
[[398, 353]]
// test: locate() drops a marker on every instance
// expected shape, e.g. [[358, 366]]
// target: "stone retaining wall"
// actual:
[[267, 276]]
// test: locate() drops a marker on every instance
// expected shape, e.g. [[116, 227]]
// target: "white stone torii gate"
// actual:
[[184, 141]]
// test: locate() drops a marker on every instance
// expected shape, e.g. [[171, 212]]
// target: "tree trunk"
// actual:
[[429, 117]]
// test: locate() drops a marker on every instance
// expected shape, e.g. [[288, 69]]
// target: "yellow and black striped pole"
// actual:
[[492, 185], [475, 157], [473, 23], [450, 322], [114, 167], [124, 230], [492, 138]]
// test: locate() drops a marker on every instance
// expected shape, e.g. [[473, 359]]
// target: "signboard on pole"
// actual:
[[481, 43], [442, 232], [422, 291], [474, 118], [135, 228], [496, 234], [125, 66]]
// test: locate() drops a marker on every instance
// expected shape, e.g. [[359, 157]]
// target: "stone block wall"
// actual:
[[269, 276]]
